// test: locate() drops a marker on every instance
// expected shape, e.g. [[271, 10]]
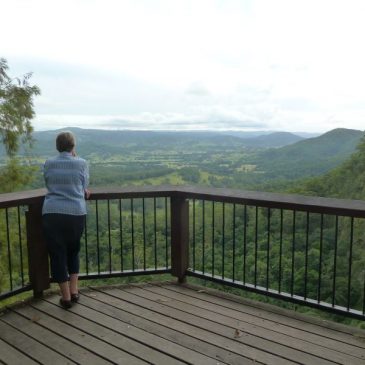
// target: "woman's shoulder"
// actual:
[[80, 160], [61, 161], [50, 160]]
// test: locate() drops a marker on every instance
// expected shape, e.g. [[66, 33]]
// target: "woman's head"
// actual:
[[65, 142]]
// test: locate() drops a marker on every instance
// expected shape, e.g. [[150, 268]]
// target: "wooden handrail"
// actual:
[[8, 200], [312, 204], [347, 207]]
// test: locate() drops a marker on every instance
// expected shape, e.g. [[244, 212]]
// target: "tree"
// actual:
[[16, 113]]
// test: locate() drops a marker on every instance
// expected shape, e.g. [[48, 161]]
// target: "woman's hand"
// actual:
[[87, 194]]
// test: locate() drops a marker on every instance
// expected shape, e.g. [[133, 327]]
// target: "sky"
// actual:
[[283, 65]]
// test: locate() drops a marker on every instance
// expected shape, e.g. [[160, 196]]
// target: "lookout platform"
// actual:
[[168, 323]]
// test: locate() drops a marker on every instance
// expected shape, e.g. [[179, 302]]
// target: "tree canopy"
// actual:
[[16, 113], [16, 109]]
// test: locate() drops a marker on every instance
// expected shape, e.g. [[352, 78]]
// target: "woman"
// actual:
[[64, 211]]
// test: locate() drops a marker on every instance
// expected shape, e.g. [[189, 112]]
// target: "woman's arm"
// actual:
[[86, 181]]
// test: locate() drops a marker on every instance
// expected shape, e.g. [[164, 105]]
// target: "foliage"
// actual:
[[16, 113], [16, 109], [15, 175], [345, 181], [310, 157]]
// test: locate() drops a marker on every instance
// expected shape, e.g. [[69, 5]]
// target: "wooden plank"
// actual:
[[122, 324], [83, 339], [157, 313], [110, 336], [298, 339], [11, 356], [32, 348], [289, 318], [60, 344], [268, 339], [198, 319], [195, 351]]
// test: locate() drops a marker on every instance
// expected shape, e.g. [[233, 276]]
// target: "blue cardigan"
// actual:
[[66, 179]]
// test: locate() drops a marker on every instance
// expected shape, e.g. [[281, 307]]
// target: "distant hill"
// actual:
[[347, 181], [276, 139], [90, 141], [311, 156], [253, 134]]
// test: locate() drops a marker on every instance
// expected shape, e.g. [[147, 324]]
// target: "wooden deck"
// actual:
[[170, 324]]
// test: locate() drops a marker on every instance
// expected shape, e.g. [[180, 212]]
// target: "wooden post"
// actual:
[[179, 237], [37, 250]]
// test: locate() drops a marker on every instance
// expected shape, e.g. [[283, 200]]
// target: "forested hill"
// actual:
[[312, 156], [276, 139], [346, 181], [94, 141]]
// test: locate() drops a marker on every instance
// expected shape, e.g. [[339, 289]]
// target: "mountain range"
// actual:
[[310, 157], [269, 156]]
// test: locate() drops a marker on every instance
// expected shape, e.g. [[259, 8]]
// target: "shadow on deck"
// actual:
[[166, 323]]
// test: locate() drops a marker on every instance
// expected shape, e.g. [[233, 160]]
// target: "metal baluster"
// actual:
[[335, 264], [132, 232], [20, 247], [155, 229], [293, 257], [213, 227], [320, 261], [306, 259], [194, 235], [109, 238], [9, 250], [86, 248], [268, 248], [144, 233], [244, 243], [281, 249], [363, 297], [223, 238], [166, 239], [256, 235], [121, 235], [97, 234], [234, 242], [350, 264], [203, 236]]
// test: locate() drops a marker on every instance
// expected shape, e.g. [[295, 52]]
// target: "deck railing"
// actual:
[[306, 250]]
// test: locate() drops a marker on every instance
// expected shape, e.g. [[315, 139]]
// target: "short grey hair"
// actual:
[[65, 142]]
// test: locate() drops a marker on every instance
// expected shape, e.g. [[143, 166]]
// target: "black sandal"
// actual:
[[65, 304], [75, 298]]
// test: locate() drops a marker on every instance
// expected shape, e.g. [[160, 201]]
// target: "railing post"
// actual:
[[179, 237], [37, 250]]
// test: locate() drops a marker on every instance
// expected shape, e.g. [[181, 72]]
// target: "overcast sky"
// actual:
[[190, 64]]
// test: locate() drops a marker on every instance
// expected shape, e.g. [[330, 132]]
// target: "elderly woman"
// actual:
[[64, 211]]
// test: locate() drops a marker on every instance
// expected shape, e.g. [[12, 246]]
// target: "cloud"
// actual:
[[213, 119], [197, 89], [238, 64]]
